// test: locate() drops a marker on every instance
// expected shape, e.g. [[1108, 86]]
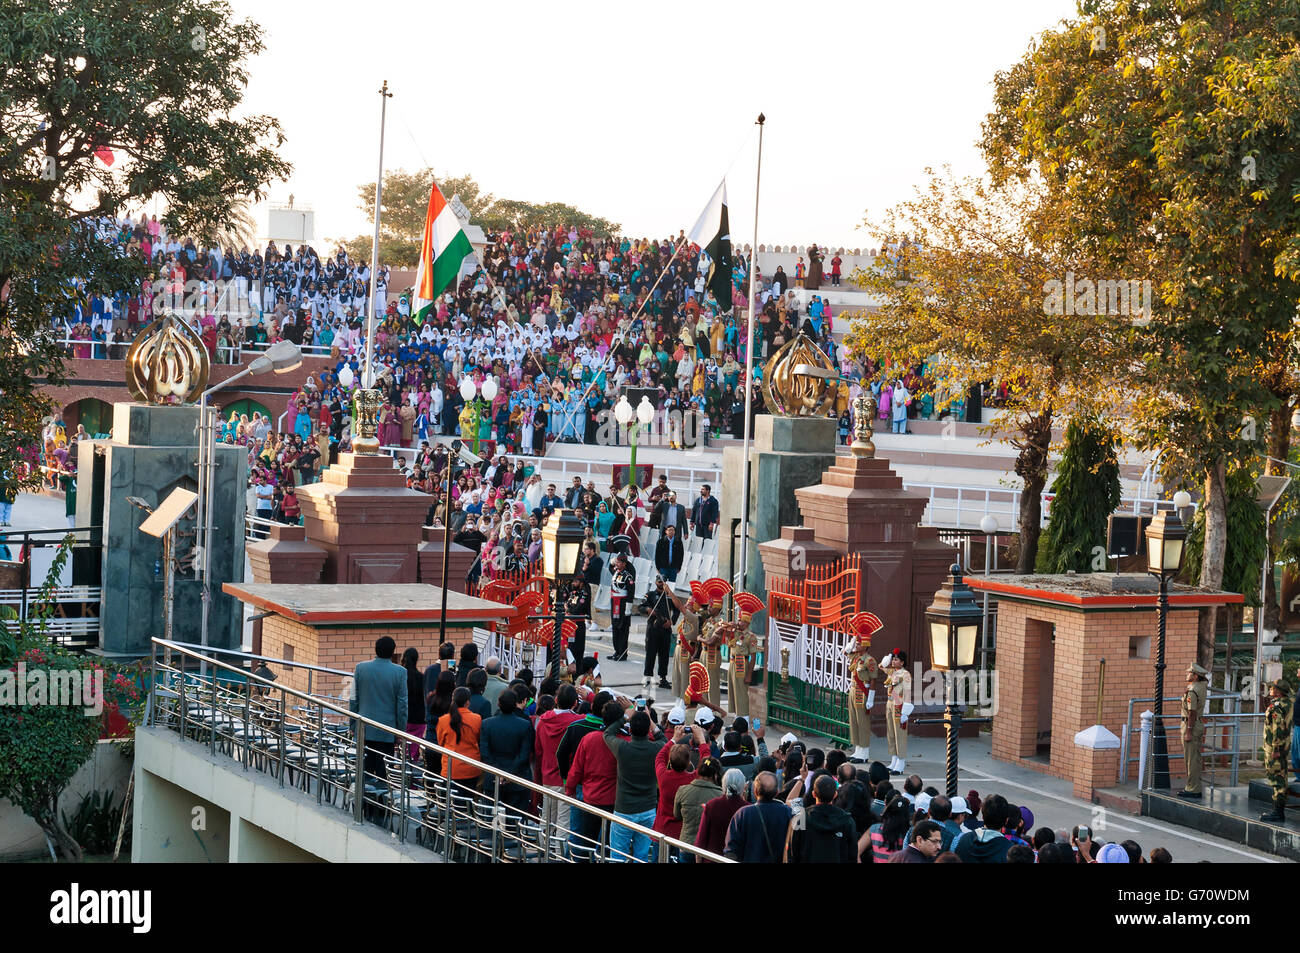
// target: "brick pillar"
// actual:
[[1096, 764]]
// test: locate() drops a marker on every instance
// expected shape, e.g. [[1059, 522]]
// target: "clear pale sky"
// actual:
[[635, 111]]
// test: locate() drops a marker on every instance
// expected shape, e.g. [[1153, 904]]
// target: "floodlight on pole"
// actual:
[[281, 357]]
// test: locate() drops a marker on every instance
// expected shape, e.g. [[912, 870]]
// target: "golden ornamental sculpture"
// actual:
[[799, 380], [365, 420], [864, 412], [167, 363]]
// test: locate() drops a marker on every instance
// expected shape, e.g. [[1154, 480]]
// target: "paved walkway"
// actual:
[[1050, 799]]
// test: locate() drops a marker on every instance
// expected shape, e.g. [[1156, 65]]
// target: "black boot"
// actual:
[[1278, 814]]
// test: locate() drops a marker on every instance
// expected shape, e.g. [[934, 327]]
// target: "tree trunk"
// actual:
[[1216, 545], [67, 845], [1031, 466]]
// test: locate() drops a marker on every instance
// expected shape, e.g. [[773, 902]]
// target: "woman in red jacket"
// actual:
[[673, 770]]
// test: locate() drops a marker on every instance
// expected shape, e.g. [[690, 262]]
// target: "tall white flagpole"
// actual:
[[749, 375], [368, 372]]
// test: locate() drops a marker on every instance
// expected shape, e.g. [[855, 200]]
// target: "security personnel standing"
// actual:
[[898, 682], [742, 646], [863, 670], [1277, 747], [1193, 724]]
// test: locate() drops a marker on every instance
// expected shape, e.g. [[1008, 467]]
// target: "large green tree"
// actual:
[[1170, 130], [406, 205], [158, 84]]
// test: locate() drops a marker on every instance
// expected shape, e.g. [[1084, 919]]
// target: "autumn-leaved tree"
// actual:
[[1169, 132], [104, 106], [977, 294]]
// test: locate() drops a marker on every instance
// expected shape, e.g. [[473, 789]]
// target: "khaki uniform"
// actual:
[[741, 649], [899, 685], [688, 632], [712, 658], [864, 673], [1193, 732]]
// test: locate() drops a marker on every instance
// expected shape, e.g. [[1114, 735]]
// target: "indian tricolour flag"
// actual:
[[442, 252]]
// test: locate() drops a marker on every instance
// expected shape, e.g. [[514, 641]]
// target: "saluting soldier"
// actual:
[[1193, 723], [1277, 747], [898, 682], [863, 670], [742, 646]]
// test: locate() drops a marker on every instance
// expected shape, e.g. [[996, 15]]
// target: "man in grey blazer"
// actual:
[[379, 693]]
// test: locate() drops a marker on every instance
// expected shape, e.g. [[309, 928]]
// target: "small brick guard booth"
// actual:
[[1052, 633]]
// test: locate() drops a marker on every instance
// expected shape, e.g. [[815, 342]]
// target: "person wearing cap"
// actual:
[[949, 814], [898, 682], [742, 646], [688, 631], [863, 669], [697, 686], [1112, 854], [1193, 728], [1277, 747]]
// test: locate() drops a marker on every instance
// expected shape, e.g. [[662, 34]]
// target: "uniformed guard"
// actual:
[[898, 682], [1277, 747], [712, 636], [742, 646], [1193, 724], [863, 670], [688, 634]]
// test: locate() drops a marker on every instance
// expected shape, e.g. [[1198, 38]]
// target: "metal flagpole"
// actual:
[[368, 374], [749, 376]]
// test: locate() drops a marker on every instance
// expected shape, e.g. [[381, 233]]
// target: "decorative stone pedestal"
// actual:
[[153, 451], [366, 520], [787, 453], [860, 507]]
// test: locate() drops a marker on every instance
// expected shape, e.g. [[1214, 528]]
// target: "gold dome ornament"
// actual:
[[167, 363], [799, 380]]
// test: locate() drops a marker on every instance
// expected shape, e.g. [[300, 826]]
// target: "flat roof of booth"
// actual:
[[361, 603], [1097, 590]]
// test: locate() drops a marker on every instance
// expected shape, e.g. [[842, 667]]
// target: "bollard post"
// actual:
[[1144, 749]]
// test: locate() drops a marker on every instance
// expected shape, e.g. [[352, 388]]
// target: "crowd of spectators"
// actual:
[[710, 782]]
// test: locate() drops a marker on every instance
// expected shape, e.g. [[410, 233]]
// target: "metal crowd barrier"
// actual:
[[319, 747]]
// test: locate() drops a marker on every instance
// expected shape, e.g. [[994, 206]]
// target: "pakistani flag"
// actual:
[[442, 252], [713, 233]]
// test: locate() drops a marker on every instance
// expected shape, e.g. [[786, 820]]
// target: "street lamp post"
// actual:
[[452, 452], [1165, 538], [954, 626], [561, 547], [281, 357], [644, 414], [988, 526]]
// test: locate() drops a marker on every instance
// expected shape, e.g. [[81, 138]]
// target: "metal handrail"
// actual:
[[1172, 713], [338, 753]]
